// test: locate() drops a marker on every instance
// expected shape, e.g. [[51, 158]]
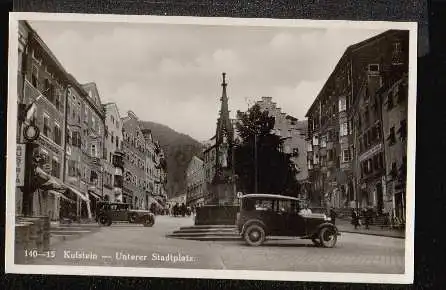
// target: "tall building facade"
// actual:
[[78, 158], [135, 151], [153, 199], [394, 103], [84, 145], [160, 174], [345, 113], [293, 133], [209, 156], [42, 80], [195, 182], [112, 147]]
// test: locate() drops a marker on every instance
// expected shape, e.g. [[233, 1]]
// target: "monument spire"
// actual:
[[224, 112], [224, 122]]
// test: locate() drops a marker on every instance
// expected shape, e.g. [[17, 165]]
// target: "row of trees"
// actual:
[[259, 151]]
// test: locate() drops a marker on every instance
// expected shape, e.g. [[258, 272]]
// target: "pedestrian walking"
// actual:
[[355, 218], [183, 209], [175, 210], [333, 216], [366, 218]]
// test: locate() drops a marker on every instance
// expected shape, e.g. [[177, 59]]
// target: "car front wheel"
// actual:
[[149, 222], [254, 235], [328, 237], [104, 220]]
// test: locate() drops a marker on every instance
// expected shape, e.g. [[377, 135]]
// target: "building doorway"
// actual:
[[379, 196], [399, 206]]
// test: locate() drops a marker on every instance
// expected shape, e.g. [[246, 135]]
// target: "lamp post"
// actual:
[[30, 134]]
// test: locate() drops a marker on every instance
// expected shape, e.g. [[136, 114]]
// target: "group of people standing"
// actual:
[[366, 215], [180, 210]]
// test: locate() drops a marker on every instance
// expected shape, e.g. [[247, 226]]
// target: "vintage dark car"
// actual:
[[109, 212], [263, 215]]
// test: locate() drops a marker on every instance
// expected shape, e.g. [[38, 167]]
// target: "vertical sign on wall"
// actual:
[[20, 165]]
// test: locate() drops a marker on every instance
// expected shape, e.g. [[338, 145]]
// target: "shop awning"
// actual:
[[94, 194], [155, 202], [48, 182], [53, 184], [78, 193], [59, 194], [42, 174]]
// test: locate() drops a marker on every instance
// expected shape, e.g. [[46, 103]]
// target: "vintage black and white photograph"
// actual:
[[211, 147]]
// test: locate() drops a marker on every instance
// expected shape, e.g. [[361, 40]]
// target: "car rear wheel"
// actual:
[[149, 222], [104, 220], [254, 235], [132, 218], [328, 237]]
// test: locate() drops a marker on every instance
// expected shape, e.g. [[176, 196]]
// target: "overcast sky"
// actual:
[[171, 74]]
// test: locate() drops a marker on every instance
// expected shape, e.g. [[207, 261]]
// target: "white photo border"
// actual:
[[10, 267]]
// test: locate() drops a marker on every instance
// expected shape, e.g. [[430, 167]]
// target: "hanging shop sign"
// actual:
[[20, 165], [31, 133]]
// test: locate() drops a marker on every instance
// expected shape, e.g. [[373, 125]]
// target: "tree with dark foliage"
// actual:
[[276, 172]]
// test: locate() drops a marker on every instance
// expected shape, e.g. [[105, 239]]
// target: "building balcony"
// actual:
[[118, 181], [346, 166], [31, 93], [96, 160], [118, 160]]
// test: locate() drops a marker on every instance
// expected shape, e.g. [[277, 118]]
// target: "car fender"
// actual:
[[251, 222], [326, 225]]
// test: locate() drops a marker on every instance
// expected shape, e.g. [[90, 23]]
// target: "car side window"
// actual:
[[266, 205], [283, 206], [295, 207]]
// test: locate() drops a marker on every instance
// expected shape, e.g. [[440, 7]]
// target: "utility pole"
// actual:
[[30, 133], [28, 197], [256, 186]]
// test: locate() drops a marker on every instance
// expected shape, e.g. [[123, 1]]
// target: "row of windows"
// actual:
[[138, 182], [396, 96], [88, 116], [400, 172], [76, 169], [346, 156], [115, 122], [52, 132], [369, 138], [402, 133], [47, 86], [372, 165], [52, 165], [345, 129], [138, 143]]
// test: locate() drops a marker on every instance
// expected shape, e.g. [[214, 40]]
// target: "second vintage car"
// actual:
[[109, 212], [263, 215]]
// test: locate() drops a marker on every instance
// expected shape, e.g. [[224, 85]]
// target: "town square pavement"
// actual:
[[149, 247]]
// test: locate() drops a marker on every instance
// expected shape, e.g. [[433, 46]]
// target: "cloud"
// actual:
[[297, 99], [172, 74]]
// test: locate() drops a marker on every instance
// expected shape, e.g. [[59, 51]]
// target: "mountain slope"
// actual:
[[179, 149]]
